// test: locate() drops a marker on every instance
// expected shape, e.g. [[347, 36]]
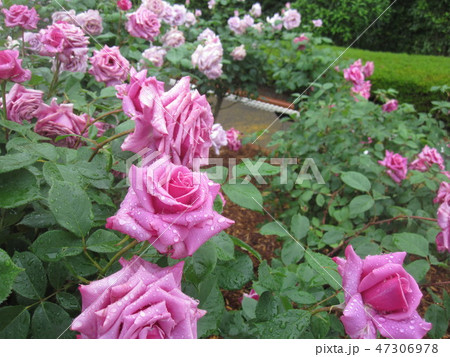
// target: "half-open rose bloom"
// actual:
[[218, 137], [22, 16], [57, 120], [390, 106], [443, 218], [109, 66], [173, 38], [233, 139], [91, 22], [239, 53], [380, 295], [11, 67], [396, 164], [176, 123], [124, 5], [22, 103], [317, 23], [255, 11], [251, 295], [171, 207], [208, 58], [302, 40], [143, 23], [426, 158], [73, 60], [68, 16], [155, 55], [140, 301], [291, 19], [443, 193], [276, 21]]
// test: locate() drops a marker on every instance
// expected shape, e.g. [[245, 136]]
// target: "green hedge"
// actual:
[[411, 75]]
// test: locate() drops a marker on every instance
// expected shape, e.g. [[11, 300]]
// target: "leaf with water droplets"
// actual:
[[55, 245], [17, 188], [14, 322], [8, 273], [289, 324], [102, 241], [50, 321], [32, 282]]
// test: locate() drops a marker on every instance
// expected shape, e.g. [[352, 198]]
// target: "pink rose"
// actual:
[[155, 55], [255, 11], [156, 6], [390, 106], [173, 38], [368, 69], [198, 13], [171, 207], [443, 219], [22, 103], [354, 75], [124, 5], [248, 21], [208, 58], [176, 123], [109, 66], [57, 120], [140, 301], [207, 35], [218, 137], [426, 158], [303, 40], [61, 37], [443, 193], [143, 24], [237, 25], [380, 295], [397, 166], [179, 15], [91, 22], [251, 295], [21, 15], [33, 41], [276, 21], [74, 60], [291, 19], [239, 53], [11, 67], [363, 89], [190, 19], [65, 16], [211, 4], [233, 139], [317, 23]]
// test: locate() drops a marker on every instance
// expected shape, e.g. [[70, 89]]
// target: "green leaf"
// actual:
[[217, 173], [300, 297], [8, 273], [80, 265], [361, 204], [268, 278], [71, 207], [39, 219], [55, 245], [274, 228], [266, 308], [292, 252], [204, 260], [102, 241], [50, 321], [418, 269], [14, 322], [32, 282], [290, 324], [299, 226], [11, 162], [244, 194], [17, 188], [356, 180], [325, 267], [43, 150], [249, 307], [234, 274], [332, 237], [224, 246], [245, 246], [57, 274], [320, 324], [411, 243], [263, 169], [211, 300], [68, 301], [437, 316]]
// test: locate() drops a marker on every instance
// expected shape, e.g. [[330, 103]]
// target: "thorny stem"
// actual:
[[118, 255], [389, 220], [103, 143]]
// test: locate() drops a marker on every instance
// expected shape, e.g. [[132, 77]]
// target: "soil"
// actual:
[[246, 228]]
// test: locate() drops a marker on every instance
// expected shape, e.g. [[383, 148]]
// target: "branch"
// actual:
[[99, 146]]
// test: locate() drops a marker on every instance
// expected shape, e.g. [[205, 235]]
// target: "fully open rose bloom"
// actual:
[[109, 66], [68, 16], [143, 23], [443, 218], [176, 123], [171, 207], [22, 16], [255, 11], [443, 193], [390, 106], [208, 58], [155, 55], [57, 120], [239, 53], [91, 22], [291, 19], [173, 38], [140, 301], [218, 137], [11, 67], [427, 158], [22, 103], [396, 164], [156, 6], [380, 295]]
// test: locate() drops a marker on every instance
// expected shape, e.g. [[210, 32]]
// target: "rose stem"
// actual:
[[103, 143], [118, 255], [54, 82]]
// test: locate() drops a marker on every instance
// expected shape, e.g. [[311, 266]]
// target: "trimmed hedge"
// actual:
[[411, 75]]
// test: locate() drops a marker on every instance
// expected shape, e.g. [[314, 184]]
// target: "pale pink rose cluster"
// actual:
[[380, 295], [21, 16], [427, 158], [22, 103], [291, 19], [357, 74], [256, 10], [233, 139], [218, 137], [174, 15], [208, 56], [155, 55], [57, 120], [237, 25], [109, 66], [140, 301], [396, 165], [239, 53]]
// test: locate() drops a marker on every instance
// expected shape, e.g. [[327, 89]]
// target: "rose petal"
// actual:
[[413, 327], [356, 320]]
